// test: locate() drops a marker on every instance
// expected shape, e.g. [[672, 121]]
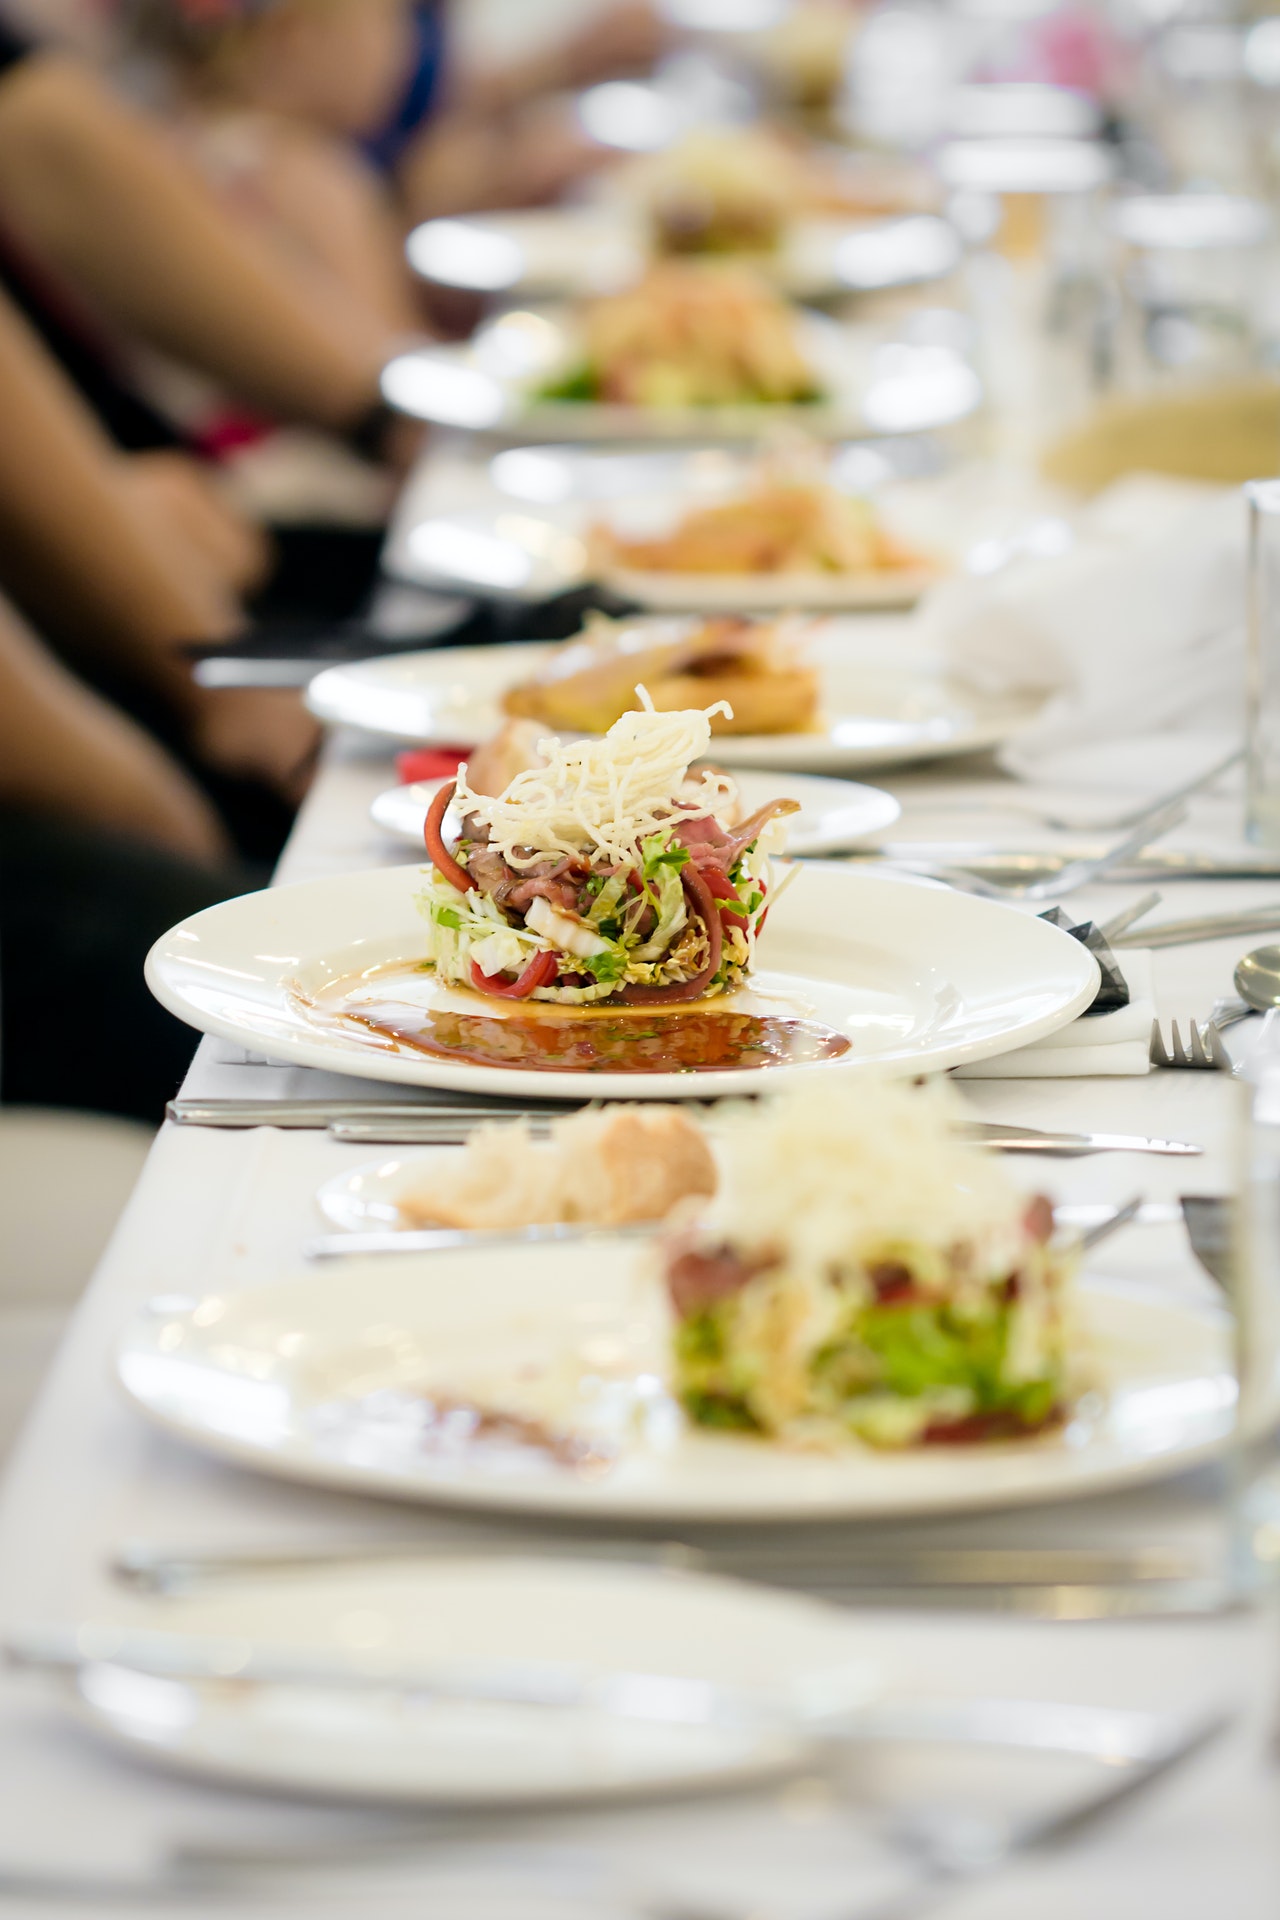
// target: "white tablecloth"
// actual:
[[230, 1209]]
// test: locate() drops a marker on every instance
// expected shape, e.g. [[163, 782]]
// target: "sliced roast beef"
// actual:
[[698, 1277], [712, 845]]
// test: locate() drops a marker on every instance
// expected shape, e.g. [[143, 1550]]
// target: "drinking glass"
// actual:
[[1262, 691], [1193, 272]]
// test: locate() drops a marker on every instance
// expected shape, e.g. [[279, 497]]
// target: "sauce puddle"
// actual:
[[703, 1042]]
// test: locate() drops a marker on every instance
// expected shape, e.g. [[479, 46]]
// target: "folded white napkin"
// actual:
[[1136, 627], [1099, 1043]]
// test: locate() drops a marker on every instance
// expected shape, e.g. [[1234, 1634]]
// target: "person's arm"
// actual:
[[76, 546], [117, 568], [66, 752], [626, 36], [102, 194]]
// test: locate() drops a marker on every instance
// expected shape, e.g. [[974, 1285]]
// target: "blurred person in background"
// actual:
[[298, 100], [103, 238], [123, 259], [121, 546], [105, 842]]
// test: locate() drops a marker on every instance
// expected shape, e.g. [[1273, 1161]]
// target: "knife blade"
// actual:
[[1015, 865], [338, 1246], [326, 1113], [1004, 1139]]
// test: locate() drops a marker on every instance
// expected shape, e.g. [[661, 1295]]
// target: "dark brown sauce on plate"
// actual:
[[712, 1041]]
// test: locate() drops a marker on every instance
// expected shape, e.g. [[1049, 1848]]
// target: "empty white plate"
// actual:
[[788, 1655]]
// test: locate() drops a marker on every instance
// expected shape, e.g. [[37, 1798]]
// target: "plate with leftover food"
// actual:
[[691, 349], [606, 919], [830, 696], [867, 1319]]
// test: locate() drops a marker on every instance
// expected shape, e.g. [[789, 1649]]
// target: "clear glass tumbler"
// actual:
[[1262, 705]]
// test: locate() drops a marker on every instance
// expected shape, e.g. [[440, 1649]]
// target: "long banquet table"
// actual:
[[224, 1209]]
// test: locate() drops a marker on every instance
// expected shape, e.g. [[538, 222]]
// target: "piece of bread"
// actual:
[[614, 1168]]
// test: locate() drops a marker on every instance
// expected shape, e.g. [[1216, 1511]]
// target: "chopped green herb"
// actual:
[[607, 967], [658, 852]]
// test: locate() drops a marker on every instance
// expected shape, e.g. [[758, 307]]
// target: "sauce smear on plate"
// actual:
[[705, 1042]]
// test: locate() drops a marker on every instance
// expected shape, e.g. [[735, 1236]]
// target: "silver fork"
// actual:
[[1203, 1048], [1068, 879]]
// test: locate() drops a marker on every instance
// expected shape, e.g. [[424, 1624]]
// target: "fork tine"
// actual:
[[1158, 1053], [1202, 1049]]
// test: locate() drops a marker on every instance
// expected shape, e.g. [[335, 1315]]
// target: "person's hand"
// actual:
[[626, 37], [257, 733], [547, 151], [181, 504]]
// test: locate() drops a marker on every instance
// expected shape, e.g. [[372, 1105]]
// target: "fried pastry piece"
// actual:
[[753, 665], [609, 1169], [784, 526]]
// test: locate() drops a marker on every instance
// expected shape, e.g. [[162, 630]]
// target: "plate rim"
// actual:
[[872, 1666]]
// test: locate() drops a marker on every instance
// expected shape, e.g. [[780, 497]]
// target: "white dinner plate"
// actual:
[[493, 384], [834, 814], [568, 252], [327, 1379], [876, 710], [492, 1613], [527, 557], [917, 978]]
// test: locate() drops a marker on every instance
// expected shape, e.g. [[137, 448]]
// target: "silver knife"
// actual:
[[985, 1133], [1204, 926], [336, 1246], [1014, 864], [325, 1113], [453, 1131]]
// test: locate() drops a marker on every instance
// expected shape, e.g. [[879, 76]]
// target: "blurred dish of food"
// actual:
[[689, 334], [721, 190], [755, 667], [747, 189], [864, 1273], [617, 1167], [785, 525]]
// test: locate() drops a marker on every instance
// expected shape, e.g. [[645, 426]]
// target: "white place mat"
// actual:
[[1100, 1043]]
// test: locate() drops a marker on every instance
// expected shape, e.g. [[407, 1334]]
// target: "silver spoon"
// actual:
[[1257, 978]]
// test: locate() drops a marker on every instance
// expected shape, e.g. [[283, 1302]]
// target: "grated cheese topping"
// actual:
[[846, 1170], [603, 797]]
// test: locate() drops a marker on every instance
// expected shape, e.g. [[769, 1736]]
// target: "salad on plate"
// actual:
[[863, 1273], [605, 875]]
